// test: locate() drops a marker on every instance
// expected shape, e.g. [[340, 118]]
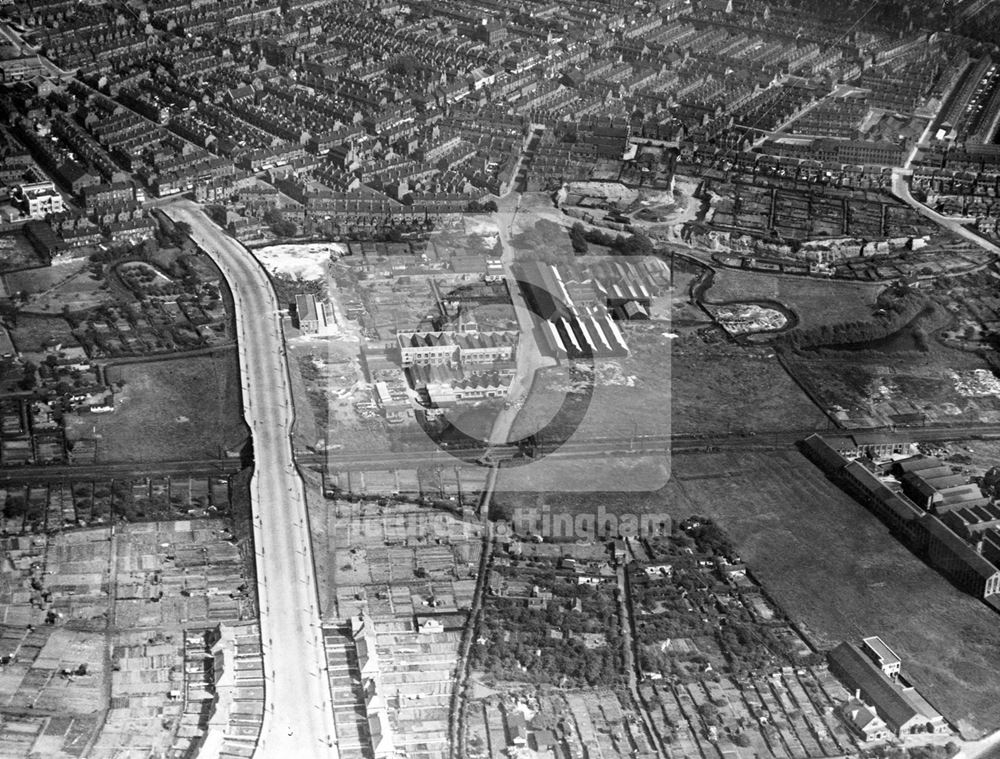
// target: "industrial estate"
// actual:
[[484, 380]]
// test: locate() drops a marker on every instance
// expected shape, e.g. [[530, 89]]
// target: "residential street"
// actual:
[[901, 189]]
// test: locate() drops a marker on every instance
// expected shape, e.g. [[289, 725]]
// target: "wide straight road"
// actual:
[[529, 356], [298, 718]]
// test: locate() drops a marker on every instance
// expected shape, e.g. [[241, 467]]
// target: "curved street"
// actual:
[[901, 189], [298, 717]]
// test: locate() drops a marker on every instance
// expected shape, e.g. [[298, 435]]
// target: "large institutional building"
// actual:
[[37, 199], [453, 348], [941, 517]]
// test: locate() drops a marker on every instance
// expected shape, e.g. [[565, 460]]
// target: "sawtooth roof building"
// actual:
[[941, 518], [435, 348], [569, 330]]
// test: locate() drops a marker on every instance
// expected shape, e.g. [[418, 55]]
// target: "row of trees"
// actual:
[[218, 214], [570, 663], [397, 230], [708, 536], [173, 232], [488, 206], [894, 314], [281, 226], [933, 751], [635, 244]]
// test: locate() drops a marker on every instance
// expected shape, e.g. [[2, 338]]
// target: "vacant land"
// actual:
[[835, 569], [976, 457], [169, 410], [815, 302], [631, 481], [17, 252], [687, 387], [309, 423], [725, 389], [684, 313], [330, 393], [870, 388], [603, 400], [49, 290], [32, 334], [618, 502], [613, 397], [537, 239]]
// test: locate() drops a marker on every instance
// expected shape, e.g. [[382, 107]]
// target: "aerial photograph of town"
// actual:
[[499, 379]]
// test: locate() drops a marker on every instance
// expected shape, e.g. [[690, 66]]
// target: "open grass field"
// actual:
[[688, 388], [17, 252], [69, 285], [727, 389], [620, 488], [36, 280], [628, 483], [814, 301], [308, 428], [835, 569], [174, 409], [621, 396], [31, 334]]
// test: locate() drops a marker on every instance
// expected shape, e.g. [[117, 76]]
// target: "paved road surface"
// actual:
[[901, 189], [298, 719], [981, 748], [15, 39], [529, 356]]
